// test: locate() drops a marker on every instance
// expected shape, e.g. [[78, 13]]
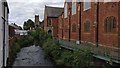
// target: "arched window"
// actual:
[[110, 24], [87, 26], [50, 32], [74, 28], [113, 24], [49, 22]]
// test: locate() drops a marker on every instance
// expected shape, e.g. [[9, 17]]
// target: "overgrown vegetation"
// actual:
[[64, 57], [60, 56]]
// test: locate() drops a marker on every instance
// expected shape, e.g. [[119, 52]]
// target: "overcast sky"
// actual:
[[22, 10]]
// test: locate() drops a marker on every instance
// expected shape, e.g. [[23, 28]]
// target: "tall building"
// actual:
[[37, 22]]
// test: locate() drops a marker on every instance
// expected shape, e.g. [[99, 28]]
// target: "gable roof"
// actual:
[[53, 11], [14, 25]]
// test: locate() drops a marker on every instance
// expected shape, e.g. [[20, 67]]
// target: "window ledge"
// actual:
[[87, 9]]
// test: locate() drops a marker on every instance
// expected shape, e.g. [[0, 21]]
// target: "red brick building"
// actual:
[[51, 15], [89, 23], [96, 23], [108, 24], [71, 21]]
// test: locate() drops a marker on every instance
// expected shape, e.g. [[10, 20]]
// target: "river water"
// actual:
[[31, 56]]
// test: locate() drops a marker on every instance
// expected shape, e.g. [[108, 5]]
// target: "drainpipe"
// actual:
[[62, 26], [3, 35], [69, 23], [80, 22], [97, 24]]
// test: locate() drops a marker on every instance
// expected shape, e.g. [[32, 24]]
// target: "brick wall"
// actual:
[[45, 23], [74, 21], [119, 25], [106, 10], [88, 15], [60, 27], [66, 26], [55, 27]]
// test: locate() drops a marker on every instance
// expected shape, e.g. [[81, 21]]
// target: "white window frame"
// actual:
[[84, 9], [74, 5], [105, 1], [66, 10]]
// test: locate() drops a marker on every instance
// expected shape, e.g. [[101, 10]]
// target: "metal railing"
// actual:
[[99, 52]]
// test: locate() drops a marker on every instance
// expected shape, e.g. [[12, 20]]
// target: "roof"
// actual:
[[53, 11], [14, 25]]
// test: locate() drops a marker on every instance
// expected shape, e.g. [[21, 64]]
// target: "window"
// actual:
[[87, 26], [73, 7], [107, 1], [110, 24], [49, 22], [50, 32], [86, 4], [74, 28], [65, 10]]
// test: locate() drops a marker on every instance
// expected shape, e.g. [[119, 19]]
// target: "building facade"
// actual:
[[60, 26], [96, 23], [4, 34], [51, 15], [85, 22]]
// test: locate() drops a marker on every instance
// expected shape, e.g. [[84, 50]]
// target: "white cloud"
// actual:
[[22, 10]]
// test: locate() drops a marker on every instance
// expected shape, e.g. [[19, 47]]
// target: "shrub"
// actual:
[[75, 59]]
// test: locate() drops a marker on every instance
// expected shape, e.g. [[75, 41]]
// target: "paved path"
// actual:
[[31, 56]]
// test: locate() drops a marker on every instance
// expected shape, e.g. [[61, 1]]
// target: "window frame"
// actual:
[[84, 8], [49, 20], [74, 27], [74, 7], [66, 10], [110, 24]]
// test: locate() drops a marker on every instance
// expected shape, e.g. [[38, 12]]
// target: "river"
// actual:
[[31, 56]]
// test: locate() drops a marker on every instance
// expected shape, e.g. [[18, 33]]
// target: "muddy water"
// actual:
[[31, 56]]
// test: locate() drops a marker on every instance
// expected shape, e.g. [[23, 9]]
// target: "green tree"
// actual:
[[28, 24], [20, 27]]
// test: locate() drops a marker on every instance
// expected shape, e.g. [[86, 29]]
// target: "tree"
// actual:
[[20, 27], [29, 24], [41, 23]]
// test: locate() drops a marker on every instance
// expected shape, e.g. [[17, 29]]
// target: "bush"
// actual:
[[38, 36], [64, 57]]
